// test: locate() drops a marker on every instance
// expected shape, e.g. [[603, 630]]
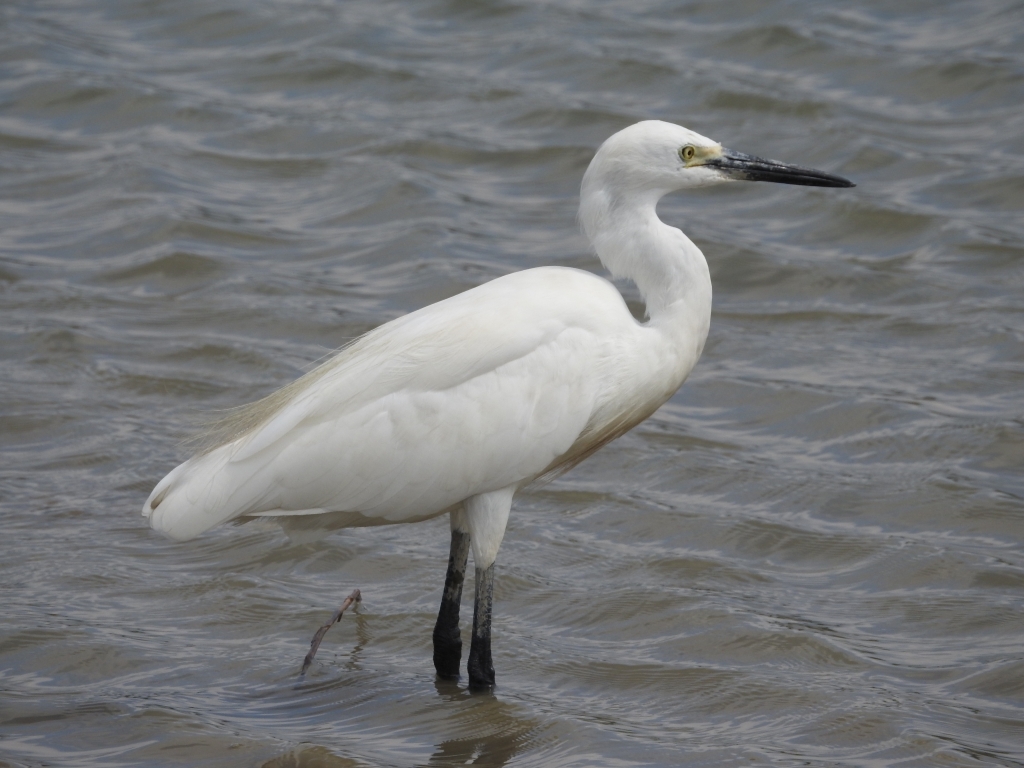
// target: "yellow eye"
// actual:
[[687, 153]]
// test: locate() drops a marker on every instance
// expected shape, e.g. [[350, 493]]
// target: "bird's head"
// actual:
[[658, 157]]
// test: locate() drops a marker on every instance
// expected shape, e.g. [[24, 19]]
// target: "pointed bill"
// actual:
[[744, 167]]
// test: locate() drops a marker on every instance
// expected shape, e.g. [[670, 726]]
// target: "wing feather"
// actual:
[[475, 393]]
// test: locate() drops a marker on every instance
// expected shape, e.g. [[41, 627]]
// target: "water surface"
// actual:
[[812, 555]]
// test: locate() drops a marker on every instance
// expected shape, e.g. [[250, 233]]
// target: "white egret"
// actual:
[[455, 407]]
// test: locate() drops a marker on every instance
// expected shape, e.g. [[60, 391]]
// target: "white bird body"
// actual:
[[486, 390], [456, 406]]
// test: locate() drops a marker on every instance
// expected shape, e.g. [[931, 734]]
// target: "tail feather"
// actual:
[[184, 504]]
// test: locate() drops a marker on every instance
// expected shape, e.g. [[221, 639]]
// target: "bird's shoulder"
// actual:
[[528, 298]]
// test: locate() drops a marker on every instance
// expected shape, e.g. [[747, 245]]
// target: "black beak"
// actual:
[[738, 165]]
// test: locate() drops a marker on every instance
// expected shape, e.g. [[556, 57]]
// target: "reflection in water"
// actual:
[[811, 555], [491, 750], [480, 729], [312, 757], [497, 731]]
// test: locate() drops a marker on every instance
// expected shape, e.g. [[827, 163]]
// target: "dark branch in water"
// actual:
[[355, 597]]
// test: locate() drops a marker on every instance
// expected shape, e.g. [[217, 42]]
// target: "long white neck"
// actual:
[[632, 242]]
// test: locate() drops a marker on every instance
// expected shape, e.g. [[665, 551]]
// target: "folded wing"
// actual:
[[475, 393]]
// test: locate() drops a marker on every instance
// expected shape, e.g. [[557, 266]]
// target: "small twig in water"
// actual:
[[355, 597]]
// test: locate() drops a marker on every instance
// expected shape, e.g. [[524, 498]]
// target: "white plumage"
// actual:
[[483, 391], [454, 407], [477, 393]]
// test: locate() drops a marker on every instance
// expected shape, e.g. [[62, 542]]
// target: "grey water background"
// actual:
[[810, 556]]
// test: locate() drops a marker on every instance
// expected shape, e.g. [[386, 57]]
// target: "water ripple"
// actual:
[[811, 555]]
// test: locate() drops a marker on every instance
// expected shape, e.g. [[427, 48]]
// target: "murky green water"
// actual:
[[812, 555]]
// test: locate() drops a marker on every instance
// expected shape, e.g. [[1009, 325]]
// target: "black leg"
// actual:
[[481, 670], [447, 638]]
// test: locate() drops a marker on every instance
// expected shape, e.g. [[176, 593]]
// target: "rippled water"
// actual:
[[810, 556]]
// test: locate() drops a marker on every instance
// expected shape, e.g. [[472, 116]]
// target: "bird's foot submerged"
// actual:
[[481, 669], [447, 652], [447, 637]]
